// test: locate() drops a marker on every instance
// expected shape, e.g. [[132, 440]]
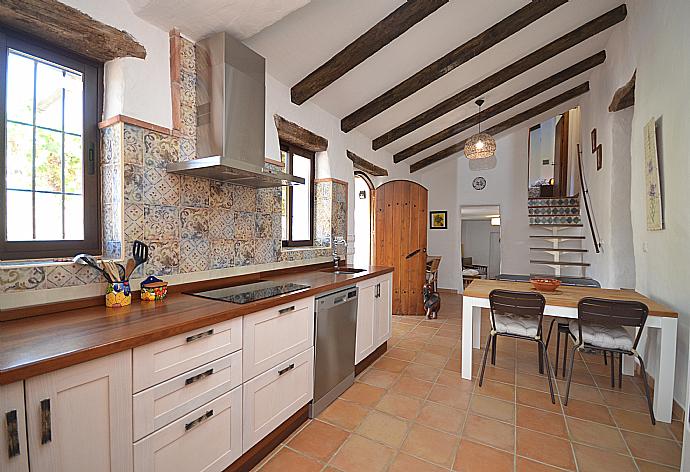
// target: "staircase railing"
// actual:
[[585, 196]]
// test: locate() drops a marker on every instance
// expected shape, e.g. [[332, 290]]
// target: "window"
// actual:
[[49, 189], [298, 200]]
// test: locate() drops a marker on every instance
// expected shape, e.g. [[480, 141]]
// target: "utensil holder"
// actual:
[[118, 294]]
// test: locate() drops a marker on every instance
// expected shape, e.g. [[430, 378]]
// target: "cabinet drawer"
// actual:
[[274, 396], [14, 454], [167, 358], [275, 335], [163, 403], [208, 439]]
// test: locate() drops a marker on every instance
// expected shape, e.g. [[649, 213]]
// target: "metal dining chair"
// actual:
[[600, 326], [517, 315]]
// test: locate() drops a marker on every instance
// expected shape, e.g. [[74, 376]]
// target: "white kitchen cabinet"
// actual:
[[374, 312], [80, 417], [207, 439], [14, 454]]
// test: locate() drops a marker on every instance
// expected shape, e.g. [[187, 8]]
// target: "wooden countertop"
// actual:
[[568, 296], [40, 344]]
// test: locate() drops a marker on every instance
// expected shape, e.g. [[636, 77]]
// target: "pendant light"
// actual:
[[481, 145]]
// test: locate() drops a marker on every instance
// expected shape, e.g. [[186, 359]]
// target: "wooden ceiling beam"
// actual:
[[505, 105], [366, 166], [460, 55], [539, 56], [624, 96], [506, 125], [382, 33], [69, 28], [293, 133]]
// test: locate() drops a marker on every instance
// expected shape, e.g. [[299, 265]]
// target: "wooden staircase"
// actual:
[[557, 221]]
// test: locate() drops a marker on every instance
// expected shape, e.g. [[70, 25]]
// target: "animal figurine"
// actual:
[[432, 302]]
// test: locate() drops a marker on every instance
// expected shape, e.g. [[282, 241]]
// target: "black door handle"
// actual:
[[412, 254]]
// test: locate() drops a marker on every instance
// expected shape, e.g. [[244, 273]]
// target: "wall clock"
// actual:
[[479, 183]]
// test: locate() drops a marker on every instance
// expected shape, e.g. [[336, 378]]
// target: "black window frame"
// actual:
[[93, 109], [290, 150]]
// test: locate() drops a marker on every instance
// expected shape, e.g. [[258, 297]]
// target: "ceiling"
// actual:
[[305, 39], [197, 18]]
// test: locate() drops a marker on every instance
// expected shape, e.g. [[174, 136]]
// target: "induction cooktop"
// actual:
[[248, 293]]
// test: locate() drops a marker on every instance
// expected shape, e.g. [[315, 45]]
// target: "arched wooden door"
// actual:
[[400, 240]]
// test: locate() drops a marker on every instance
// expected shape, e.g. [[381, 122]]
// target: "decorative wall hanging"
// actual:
[[479, 183], [438, 220], [652, 181]]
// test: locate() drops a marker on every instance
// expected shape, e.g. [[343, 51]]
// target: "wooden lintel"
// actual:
[[624, 96], [382, 33], [69, 28], [539, 56], [294, 134], [505, 28], [502, 106], [506, 125], [366, 166]]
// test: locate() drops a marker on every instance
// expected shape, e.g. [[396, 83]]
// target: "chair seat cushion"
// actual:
[[516, 324], [603, 336]]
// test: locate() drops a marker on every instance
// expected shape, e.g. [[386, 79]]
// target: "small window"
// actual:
[[298, 200], [49, 190]]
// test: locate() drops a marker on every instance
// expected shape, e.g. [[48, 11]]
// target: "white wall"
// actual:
[[475, 240]]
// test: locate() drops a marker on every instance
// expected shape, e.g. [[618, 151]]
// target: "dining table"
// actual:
[[662, 322]]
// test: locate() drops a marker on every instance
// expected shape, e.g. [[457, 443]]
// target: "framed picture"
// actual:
[[655, 217], [594, 140], [438, 220]]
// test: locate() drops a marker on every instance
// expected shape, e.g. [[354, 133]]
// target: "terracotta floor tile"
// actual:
[[650, 448], [363, 394], [391, 365], [499, 375], [588, 411], [490, 432], [522, 464], [441, 417], [535, 382], [383, 428], [430, 359], [422, 372], [542, 421], [677, 429], [646, 466], [400, 405], [360, 454], [604, 382], [378, 378], [537, 399], [411, 345], [454, 365], [625, 401], [443, 341], [345, 414], [319, 440], [402, 354], [493, 408], [290, 461], [585, 393], [456, 397], [596, 434], [449, 378], [592, 459], [498, 390], [544, 448], [406, 463], [431, 445], [412, 387], [640, 423], [475, 457], [438, 350]]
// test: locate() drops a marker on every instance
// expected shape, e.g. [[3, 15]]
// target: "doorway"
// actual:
[[480, 242], [363, 220]]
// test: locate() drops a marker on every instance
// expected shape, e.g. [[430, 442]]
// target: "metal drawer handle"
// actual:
[[12, 433], [199, 336], [199, 420], [46, 429], [282, 311], [287, 369], [196, 378]]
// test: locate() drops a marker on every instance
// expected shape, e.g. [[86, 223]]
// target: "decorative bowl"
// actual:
[[118, 294], [545, 285]]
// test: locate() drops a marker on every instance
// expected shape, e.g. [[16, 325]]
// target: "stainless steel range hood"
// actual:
[[230, 97]]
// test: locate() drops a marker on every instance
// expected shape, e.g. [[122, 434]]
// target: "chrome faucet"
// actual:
[[336, 257]]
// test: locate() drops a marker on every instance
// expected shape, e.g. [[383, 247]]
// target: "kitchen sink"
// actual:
[[343, 270]]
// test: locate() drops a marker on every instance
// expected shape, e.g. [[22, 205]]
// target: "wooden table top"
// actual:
[[568, 296], [40, 344]]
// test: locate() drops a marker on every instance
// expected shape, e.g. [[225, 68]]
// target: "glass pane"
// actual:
[[20, 88], [301, 201], [49, 83], [19, 216], [19, 156], [48, 216], [74, 217], [73, 164], [74, 108], [48, 160]]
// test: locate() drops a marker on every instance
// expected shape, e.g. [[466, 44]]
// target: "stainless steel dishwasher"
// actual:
[[334, 367]]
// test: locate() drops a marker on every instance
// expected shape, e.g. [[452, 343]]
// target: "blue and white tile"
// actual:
[[222, 254], [195, 255], [133, 183], [221, 224], [194, 191], [244, 253], [267, 251], [24, 278], [244, 225], [161, 187], [134, 221], [264, 225], [222, 194], [161, 223], [244, 199], [133, 145], [194, 223], [159, 149], [164, 258]]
